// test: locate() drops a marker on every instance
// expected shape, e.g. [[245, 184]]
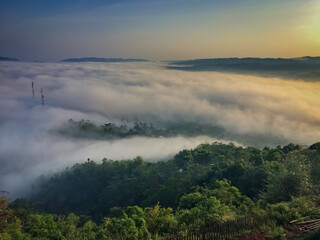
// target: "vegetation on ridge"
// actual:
[[135, 199]]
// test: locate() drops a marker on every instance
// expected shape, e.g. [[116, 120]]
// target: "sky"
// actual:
[[48, 30]]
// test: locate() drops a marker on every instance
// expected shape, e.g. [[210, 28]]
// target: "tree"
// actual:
[[160, 221], [42, 226], [5, 212], [291, 181], [204, 214]]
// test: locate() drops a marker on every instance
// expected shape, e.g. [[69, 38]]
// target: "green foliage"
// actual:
[[197, 188], [292, 180], [87, 231], [277, 232], [206, 206], [13, 231], [5, 213], [41, 226], [93, 189], [284, 212], [313, 236], [315, 146], [204, 214], [68, 226], [125, 227], [161, 221], [221, 190]]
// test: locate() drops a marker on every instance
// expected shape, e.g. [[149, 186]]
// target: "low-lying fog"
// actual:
[[251, 109]]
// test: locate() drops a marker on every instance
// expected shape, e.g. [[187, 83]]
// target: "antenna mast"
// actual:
[[42, 97], [32, 89]]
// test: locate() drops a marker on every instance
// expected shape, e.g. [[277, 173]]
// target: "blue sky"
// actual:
[[176, 29]]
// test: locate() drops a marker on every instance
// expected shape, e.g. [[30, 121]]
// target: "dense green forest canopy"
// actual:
[[136, 199]]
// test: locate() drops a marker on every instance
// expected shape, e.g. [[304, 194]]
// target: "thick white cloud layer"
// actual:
[[103, 92]]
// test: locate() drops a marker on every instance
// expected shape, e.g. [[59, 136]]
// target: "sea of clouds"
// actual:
[[261, 108]]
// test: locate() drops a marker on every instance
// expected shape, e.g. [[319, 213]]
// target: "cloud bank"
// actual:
[[252, 110]]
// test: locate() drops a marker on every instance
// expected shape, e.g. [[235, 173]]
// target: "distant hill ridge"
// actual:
[[306, 68], [95, 59], [205, 62], [8, 59]]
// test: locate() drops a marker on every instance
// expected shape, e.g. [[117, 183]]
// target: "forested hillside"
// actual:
[[88, 129], [136, 199]]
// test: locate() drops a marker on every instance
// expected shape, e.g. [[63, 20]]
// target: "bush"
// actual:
[[313, 236]]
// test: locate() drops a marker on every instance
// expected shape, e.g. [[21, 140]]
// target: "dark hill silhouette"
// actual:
[[95, 59], [304, 68], [8, 59]]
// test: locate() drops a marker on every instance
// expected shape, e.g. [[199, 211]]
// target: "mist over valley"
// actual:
[[178, 109]]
